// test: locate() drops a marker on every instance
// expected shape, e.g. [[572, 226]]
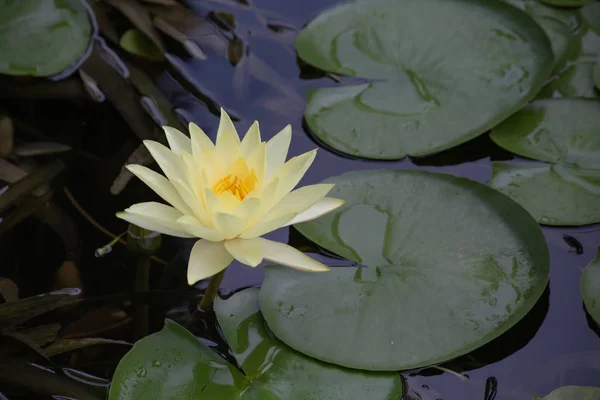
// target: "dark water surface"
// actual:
[[557, 344]]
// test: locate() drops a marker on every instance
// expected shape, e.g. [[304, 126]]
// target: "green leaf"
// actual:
[[565, 3], [173, 364], [591, 15], [139, 44], [573, 393], [443, 72], [597, 74], [445, 265], [590, 287], [17, 312], [559, 24], [41, 37], [563, 133], [277, 372]]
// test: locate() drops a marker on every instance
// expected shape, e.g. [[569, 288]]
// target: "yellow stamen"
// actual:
[[231, 184]]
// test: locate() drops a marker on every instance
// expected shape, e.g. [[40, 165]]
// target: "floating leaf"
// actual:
[[63, 345], [445, 265], [173, 364], [139, 44], [58, 31], [573, 393], [17, 312], [444, 72], [591, 15], [590, 287], [597, 74], [559, 24], [565, 3], [40, 148], [564, 133]]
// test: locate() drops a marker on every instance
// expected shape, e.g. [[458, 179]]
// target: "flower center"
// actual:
[[231, 184]]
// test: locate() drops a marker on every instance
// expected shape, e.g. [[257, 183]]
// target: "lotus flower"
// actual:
[[228, 194]]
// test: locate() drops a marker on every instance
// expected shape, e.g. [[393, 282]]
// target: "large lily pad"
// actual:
[[443, 71], [445, 265], [573, 393], [173, 364], [565, 133], [590, 287], [42, 37], [559, 24]]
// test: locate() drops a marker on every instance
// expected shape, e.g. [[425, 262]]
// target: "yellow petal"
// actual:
[[290, 257], [195, 227], [229, 225], [247, 208], [257, 162], [322, 207], [155, 217], [177, 140], [291, 172], [193, 203], [161, 185], [263, 227], [277, 149], [228, 200], [200, 141], [171, 164], [228, 141], [207, 259], [299, 200], [246, 251], [251, 140], [213, 204]]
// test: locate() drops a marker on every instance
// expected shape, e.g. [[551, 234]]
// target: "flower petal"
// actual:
[[229, 225], [299, 200], [290, 257], [200, 141], [246, 251], [193, 203], [277, 149], [251, 140], [291, 172], [257, 161], [263, 227], [207, 259], [228, 141], [177, 140], [155, 217], [195, 227], [169, 162], [247, 209], [161, 185], [322, 207]]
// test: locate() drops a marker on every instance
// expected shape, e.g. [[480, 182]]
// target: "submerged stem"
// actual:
[[211, 291]]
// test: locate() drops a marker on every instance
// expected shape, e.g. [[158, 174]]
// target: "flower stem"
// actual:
[[211, 291]]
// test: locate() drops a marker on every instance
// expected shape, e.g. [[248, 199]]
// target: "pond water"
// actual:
[[556, 344]]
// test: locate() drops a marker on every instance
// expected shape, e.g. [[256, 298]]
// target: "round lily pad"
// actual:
[[573, 393], [565, 3], [173, 364], [590, 288], [560, 25], [42, 37], [591, 15], [444, 265], [441, 72], [565, 189]]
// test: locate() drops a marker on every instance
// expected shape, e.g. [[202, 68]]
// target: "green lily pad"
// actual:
[[173, 364], [565, 190], [442, 71], [597, 74], [41, 37], [445, 265], [590, 287], [573, 393], [559, 24], [565, 3], [591, 15]]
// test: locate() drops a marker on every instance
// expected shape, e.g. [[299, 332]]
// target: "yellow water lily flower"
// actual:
[[228, 194]]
